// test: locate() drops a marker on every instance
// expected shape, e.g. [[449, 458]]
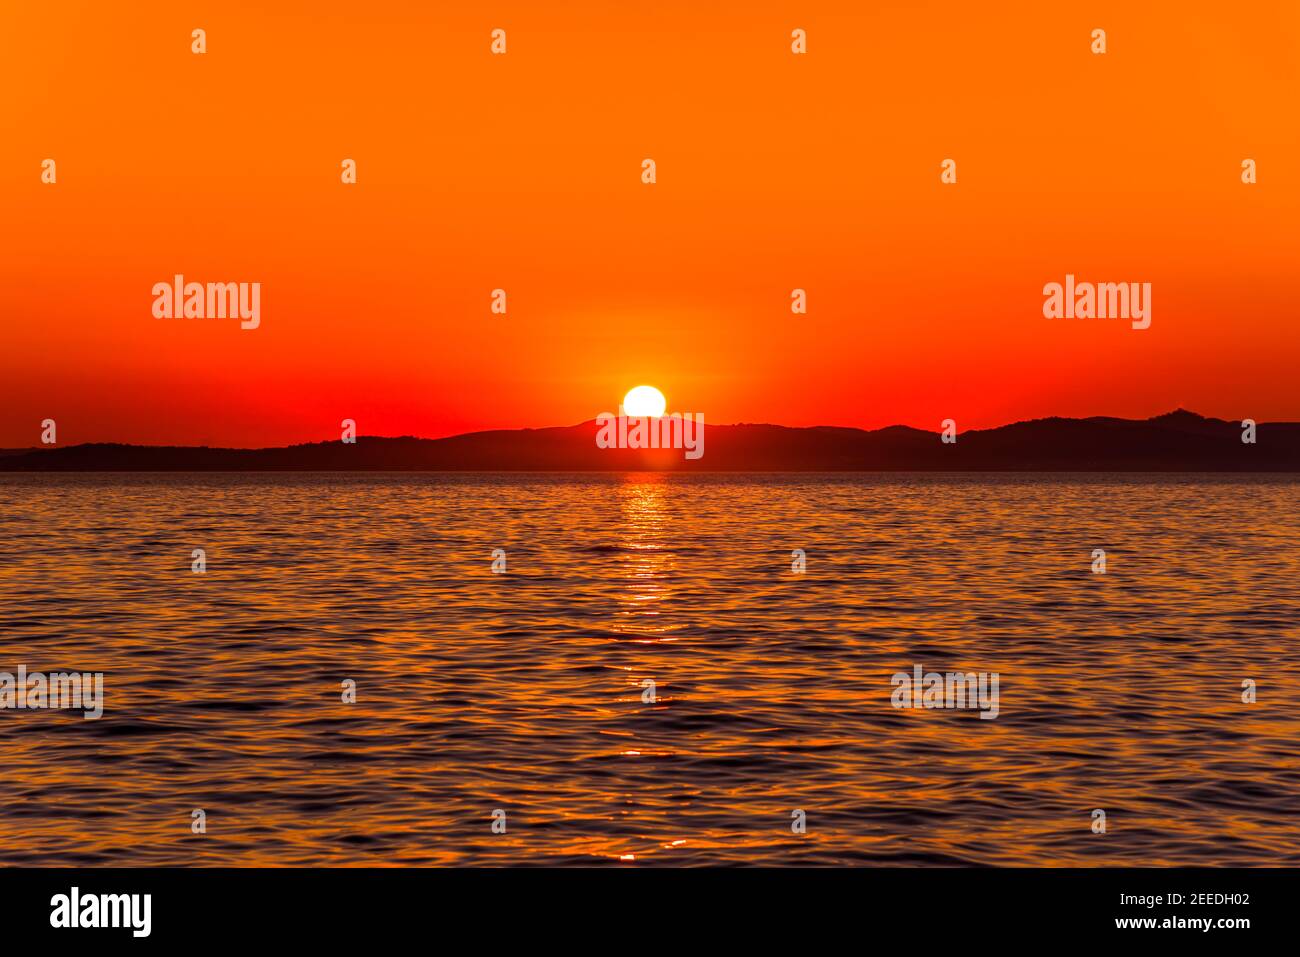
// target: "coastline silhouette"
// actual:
[[1178, 441]]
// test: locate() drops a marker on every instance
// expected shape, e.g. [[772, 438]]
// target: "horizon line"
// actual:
[[595, 421]]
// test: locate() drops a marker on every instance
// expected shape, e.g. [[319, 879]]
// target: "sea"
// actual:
[[649, 669]]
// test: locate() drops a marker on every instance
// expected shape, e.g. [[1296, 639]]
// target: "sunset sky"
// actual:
[[775, 171]]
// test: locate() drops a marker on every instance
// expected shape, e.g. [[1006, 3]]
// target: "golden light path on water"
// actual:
[[525, 691]]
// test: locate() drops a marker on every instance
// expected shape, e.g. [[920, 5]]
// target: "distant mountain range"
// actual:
[[1176, 442]]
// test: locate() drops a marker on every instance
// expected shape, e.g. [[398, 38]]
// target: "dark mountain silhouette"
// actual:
[[1177, 441]]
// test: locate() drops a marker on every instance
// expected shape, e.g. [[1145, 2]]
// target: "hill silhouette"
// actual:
[[1176, 441]]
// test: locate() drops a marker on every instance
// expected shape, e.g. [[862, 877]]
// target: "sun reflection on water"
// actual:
[[648, 563]]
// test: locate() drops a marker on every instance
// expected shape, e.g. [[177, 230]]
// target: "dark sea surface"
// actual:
[[523, 691]]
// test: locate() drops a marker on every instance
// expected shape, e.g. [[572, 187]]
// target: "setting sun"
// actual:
[[644, 400]]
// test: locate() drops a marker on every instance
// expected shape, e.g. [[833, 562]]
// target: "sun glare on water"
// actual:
[[644, 400]]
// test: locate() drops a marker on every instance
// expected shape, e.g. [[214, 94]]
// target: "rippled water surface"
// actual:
[[523, 691]]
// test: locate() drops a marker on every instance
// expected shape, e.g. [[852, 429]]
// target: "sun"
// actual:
[[644, 400]]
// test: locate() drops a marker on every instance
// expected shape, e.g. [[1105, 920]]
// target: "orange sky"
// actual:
[[522, 171]]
